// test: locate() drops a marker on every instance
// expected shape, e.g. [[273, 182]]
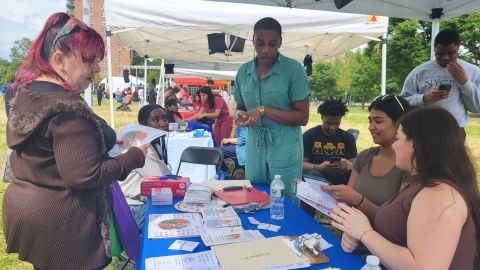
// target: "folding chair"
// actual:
[[202, 155]]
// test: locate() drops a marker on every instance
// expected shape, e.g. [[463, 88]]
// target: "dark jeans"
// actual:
[[229, 151]]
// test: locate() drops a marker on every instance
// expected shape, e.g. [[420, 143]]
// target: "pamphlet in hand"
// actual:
[[134, 135], [311, 193]]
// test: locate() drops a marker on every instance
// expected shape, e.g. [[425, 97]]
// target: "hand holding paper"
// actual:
[[135, 135]]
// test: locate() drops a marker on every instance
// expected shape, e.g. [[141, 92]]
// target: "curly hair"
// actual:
[[332, 107]]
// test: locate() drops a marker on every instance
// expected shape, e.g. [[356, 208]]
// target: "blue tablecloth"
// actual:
[[296, 222]]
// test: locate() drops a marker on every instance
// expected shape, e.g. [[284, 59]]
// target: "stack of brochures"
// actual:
[[197, 193], [220, 217]]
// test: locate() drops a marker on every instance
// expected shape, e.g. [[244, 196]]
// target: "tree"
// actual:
[[19, 50], [408, 47], [366, 73], [323, 80], [467, 26]]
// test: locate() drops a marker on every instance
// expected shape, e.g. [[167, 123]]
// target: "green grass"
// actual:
[[356, 118]]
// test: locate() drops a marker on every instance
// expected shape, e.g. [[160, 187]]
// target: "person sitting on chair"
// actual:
[[234, 148], [172, 112], [156, 161], [328, 149]]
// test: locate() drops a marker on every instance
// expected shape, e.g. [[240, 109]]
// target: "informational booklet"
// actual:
[[205, 260], [134, 135], [311, 193], [220, 217], [213, 239], [174, 225]]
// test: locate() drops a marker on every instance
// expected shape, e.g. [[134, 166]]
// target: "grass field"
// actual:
[[357, 118]]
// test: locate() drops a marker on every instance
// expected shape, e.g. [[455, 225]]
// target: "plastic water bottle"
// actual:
[[277, 195], [373, 263]]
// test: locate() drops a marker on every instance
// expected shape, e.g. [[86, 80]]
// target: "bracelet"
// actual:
[[364, 233], [361, 201], [313, 167]]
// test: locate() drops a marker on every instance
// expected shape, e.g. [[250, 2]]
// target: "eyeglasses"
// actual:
[[387, 98], [68, 27]]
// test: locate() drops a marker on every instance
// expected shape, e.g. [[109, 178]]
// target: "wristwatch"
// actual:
[[261, 109]]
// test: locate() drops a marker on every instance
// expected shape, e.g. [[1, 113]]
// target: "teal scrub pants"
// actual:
[[271, 151]]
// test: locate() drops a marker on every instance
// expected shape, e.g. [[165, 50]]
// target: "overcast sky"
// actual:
[[24, 18]]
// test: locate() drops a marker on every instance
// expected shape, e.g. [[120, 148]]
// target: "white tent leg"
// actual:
[[110, 80], [145, 78], [384, 64], [87, 95], [435, 30]]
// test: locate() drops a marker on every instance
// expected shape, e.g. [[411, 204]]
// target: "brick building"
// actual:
[[92, 13]]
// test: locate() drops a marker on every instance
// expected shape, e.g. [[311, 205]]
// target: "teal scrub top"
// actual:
[[272, 148]]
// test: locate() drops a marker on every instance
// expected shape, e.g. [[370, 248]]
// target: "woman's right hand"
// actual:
[[349, 244]]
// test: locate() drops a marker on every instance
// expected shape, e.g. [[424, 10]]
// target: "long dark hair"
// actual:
[[443, 157], [143, 115], [210, 99]]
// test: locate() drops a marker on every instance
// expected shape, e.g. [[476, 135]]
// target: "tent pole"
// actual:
[[161, 84], [145, 78], [435, 30], [110, 80], [384, 64]]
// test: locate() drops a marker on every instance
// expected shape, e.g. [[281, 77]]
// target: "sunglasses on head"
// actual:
[[389, 97], [68, 27]]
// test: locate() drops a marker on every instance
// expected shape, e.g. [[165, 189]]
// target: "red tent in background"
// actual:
[[198, 82], [190, 81]]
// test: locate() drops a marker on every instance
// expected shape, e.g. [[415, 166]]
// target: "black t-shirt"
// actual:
[[318, 147]]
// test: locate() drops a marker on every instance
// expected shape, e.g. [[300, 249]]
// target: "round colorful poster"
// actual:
[[173, 224]]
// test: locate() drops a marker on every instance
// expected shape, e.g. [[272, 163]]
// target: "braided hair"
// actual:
[[143, 115]]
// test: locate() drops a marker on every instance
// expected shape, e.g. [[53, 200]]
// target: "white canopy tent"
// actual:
[[423, 10], [213, 74], [177, 30], [118, 82]]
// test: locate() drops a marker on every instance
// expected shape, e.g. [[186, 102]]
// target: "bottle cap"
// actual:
[[373, 260], [277, 176]]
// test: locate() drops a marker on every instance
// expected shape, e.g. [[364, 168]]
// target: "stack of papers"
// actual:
[[205, 260], [197, 193], [222, 238], [311, 193], [220, 217]]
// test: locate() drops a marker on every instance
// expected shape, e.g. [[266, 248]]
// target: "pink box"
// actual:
[[179, 186]]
